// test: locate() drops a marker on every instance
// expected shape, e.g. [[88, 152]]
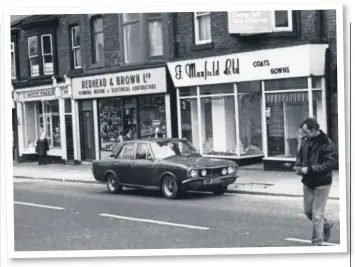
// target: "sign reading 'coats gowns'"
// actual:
[[147, 81]]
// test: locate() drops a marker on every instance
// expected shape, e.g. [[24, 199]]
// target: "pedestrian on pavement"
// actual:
[[315, 160], [42, 148]]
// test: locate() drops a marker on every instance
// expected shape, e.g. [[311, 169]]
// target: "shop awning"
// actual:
[[291, 97]]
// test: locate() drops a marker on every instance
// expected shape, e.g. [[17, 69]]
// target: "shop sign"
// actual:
[[249, 22], [36, 94], [278, 63], [147, 81]]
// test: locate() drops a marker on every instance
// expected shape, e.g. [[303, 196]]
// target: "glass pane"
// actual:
[[284, 84], [283, 119], [317, 82], [13, 69], [110, 123], [76, 36], [133, 43], [188, 91], [204, 27], [47, 44], [318, 109], [189, 123], [281, 18], [34, 62], [67, 105], [250, 130], [77, 57], [155, 33], [218, 125], [98, 25], [56, 131], [152, 116], [99, 46], [54, 106], [48, 64], [128, 151], [141, 152], [131, 17], [33, 46], [227, 88], [154, 15], [30, 131]]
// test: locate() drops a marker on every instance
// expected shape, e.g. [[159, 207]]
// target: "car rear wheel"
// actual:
[[170, 187], [113, 184], [219, 190]]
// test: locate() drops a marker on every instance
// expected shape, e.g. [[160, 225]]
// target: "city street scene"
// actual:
[[175, 130]]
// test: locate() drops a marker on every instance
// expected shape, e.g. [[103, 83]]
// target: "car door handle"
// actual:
[[116, 163]]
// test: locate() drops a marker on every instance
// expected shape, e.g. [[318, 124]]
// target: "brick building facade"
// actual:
[[97, 42]]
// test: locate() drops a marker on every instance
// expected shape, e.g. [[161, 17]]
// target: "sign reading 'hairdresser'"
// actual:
[[148, 81]]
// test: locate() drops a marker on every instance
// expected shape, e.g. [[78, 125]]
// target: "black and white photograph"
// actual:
[[202, 132]]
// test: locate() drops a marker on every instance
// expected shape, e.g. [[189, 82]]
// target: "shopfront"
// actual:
[[125, 105], [248, 106], [43, 109]]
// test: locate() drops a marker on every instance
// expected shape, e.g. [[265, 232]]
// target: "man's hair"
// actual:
[[311, 124]]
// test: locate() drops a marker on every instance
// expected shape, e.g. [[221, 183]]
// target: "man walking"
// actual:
[[315, 160]]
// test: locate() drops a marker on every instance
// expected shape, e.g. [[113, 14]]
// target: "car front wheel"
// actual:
[[219, 190], [170, 187], [113, 184]]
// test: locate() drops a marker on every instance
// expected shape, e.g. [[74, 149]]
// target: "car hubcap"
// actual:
[[113, 183], [169, 186]]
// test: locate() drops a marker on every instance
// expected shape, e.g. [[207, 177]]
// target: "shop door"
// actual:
[[88, 135], [69, 136]]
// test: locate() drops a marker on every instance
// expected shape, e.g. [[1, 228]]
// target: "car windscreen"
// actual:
[[167, 149]]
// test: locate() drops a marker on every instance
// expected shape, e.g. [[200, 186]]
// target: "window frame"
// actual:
[[13, 57], [43, 54], [74, 48], [147, 21], [125, 45], [93, 39], [197, 31], [30, 57], [282, 29]]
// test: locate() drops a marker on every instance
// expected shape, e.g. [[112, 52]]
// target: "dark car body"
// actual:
[[148, 172]]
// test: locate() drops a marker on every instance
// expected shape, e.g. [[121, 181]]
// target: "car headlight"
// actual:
[[231, 170], [193, 173], [224, 171], [203, 172]]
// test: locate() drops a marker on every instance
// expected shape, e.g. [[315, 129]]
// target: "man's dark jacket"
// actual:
[[319, 155]]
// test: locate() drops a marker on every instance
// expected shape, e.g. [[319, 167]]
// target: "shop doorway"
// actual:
[[69, 137], [130, 118], [87, 131]]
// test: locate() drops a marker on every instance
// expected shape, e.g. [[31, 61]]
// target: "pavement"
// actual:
[[57, 216], [252, 179]]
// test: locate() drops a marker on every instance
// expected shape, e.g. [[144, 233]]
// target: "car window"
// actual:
[[141, 152], [127, 151]]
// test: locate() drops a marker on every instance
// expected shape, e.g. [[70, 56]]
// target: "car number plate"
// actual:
[[212, 181]]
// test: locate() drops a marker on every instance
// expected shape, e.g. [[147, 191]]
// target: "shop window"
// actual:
[[110, 124], [189, 122], [250, 129], [282, 21], [152, 116], [202, 25], [75, 47], [286, 84], [13, 62], [216, 90], [188, 91], [98, 39], [134, 27]]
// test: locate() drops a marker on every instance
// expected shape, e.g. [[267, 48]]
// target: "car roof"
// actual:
[[154, 140]]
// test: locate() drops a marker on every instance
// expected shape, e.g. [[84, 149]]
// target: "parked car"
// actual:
[[169, 165]]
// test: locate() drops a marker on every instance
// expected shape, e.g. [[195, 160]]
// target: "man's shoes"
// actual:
[[327, 231]]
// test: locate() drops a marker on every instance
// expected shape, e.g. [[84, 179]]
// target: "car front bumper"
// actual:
[[203, 184]]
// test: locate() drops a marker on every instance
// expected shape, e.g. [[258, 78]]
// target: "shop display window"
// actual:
[[152, 116]]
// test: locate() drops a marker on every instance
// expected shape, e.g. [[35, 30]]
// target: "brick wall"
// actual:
[[224, 43]]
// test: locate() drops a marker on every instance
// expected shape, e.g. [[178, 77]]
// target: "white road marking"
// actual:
[[154, 221], [39, 206], [309, 242]]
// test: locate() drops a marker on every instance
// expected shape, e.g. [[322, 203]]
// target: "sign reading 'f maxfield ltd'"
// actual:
[[277, 63], [36, 94], [148, 81]]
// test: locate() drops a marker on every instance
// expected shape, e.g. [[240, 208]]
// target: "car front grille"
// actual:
[[213, 172]]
